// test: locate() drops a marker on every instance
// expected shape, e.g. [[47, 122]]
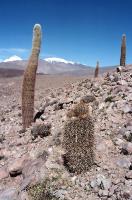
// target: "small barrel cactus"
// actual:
[[123, 51], [78, 140], [41, 130], [28, 86]]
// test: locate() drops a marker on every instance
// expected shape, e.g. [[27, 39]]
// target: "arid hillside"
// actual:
[[32, 162]]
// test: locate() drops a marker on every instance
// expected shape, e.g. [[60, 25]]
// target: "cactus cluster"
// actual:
[[28, 86], [96, 73], [123, 51], [78, 139]]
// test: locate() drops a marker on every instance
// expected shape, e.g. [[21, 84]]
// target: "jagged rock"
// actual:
[[58, 106], [128, 175], [103, 193], [43, 117], [127, 109], [24, 196], [93, 183], [9, 194], [127, 148], [128, 136], [123, 163], [129, 128], [119, 142], [2, 119], [3, 173], [26, 182], [34, 171], [123, 82], [111, 78], [1, 155], [102, 182], [60, 193], [16, 166], [39, 152], [88, 99], [2, 138]]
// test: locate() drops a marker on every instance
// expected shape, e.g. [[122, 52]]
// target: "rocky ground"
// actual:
[[31, 162]]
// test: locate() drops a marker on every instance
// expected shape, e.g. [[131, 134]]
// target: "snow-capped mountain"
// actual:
[[60, 60], [12, 58], [51, 66]]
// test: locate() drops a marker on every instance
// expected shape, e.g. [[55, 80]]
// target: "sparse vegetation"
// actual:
[[39, 192], [41, 130]]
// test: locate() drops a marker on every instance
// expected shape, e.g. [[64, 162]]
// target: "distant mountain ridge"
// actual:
[[46, 66], [51, 66]]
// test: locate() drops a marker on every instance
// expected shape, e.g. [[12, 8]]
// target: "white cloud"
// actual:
[[11, 50]]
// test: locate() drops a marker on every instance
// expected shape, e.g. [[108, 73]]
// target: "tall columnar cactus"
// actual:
[[123, 51], [78, 139], [96, 73], [28, 86]]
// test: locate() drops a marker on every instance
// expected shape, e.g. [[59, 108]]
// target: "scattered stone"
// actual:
[[15, 168], [1, 155], [2, 138], [127, 109], [109, 178], [103, 183], [128, 175], [111, 78], [93, 183], [128, 136], [9, 194], [122, 130], [127, 194], [24, 196], [109, 99], [3, 173], [103, 193], [2, 119], [119, 142], [123, 163], [43, 117], [88, 99], [127, 148], [58, 106], [34, 170]]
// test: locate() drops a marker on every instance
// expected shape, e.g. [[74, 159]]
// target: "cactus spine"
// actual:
[[123, 51], [28, 85], [96, 73]]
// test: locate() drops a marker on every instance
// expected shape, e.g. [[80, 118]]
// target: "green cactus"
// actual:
[[78, 140], [123, 51], [96, 73], [28, 86]]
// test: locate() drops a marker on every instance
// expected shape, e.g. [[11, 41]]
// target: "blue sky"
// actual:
[[79, 30]]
